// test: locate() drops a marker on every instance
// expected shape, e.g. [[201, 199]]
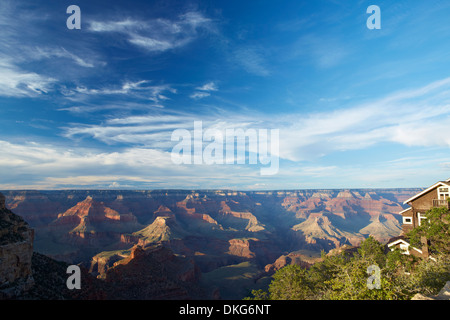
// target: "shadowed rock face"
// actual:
[[153, 273], [16, 251], [2, 202]]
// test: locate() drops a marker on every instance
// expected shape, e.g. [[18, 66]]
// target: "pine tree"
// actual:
[[436, 229]]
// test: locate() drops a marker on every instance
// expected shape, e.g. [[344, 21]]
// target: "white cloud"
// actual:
[[157, 35], [410, 118], [142, 89], [116, 26], [148, 130], [22, 54], [126, 88], [152, 44], [50, 53], [204, 90], [210, 86], [15, 82], [199, 95], [37, 166]]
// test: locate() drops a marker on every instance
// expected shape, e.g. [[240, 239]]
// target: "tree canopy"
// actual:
[[345, 276]]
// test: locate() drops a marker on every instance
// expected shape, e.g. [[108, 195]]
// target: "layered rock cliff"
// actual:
[[16, 251]]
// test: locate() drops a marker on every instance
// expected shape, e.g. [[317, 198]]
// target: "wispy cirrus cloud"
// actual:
[[200, 95], [144, 91], [157, 35], [210, 86], [409, 118], [30, 67], [204, 90], [16, 82], [49, 166], [50, 53], [147, 130], [44, 166], [415, 117]]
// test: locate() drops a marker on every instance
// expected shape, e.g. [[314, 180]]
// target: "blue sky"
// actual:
[[96, 107]]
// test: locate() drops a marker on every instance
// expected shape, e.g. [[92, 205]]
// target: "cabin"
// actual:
[[435, 196], [403, 244]]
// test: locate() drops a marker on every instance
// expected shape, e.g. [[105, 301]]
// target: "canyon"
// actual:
[[198, 244]]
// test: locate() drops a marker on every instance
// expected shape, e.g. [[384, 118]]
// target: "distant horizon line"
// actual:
[[219, 189]]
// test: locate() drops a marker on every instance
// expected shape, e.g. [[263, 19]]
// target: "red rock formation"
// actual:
[[240, 248], [183, 209], [90, 222], [163, 211], [238, 219], [289, 259]]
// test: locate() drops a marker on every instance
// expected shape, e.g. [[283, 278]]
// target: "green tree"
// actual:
[[258, 295], [351, 281], [344, 276], [436, 229], [429, 275], [351, 284], [372, 251], [321, 272], [291, 283]]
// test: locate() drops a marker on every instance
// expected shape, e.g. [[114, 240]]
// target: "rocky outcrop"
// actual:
[[50, 277], [190, 212], [318, 232], [240, 248], [164, 228], [238, 219], [154, 273], [382, 228], [444, 294], [92, 223], [290, 259], [2, 202], [16, 251], [101, 262]]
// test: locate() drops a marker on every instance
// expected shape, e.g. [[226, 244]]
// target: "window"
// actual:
[[420, 217], [443, 193], [405, 248], [407, 220]]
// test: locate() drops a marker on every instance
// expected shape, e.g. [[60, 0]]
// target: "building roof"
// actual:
[[401, 212], [403, 241], [437, 184]]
